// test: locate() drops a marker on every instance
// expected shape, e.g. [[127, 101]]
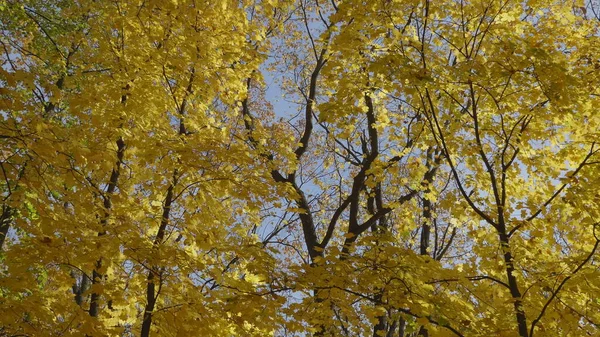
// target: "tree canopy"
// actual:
[[390, 168]]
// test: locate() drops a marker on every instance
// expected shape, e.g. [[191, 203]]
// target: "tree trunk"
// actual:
[[512, 283], [5, 220]]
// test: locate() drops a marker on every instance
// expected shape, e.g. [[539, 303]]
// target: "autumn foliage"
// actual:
[[390, 168]]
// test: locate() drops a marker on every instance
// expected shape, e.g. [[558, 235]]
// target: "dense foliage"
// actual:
[[299, 167]]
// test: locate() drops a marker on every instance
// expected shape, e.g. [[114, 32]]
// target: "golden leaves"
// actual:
[[459, 131]]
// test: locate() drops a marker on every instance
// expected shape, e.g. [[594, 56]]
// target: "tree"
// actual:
[[430, 169]]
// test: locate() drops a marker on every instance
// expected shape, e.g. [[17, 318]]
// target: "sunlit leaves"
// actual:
[[430, 166]]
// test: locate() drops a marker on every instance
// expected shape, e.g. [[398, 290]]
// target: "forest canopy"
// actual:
[[391, 168]]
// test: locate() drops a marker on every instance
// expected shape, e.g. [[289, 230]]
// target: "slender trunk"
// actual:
[[401, 327], [426, 227], [5, 220], [79, 289], [95, 298], [427, 205], [379, 330], [151, 292], [424, 245], [512, 283], [151, 302], [392, 328], [112, 186], [426, 230], [375, 204]]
